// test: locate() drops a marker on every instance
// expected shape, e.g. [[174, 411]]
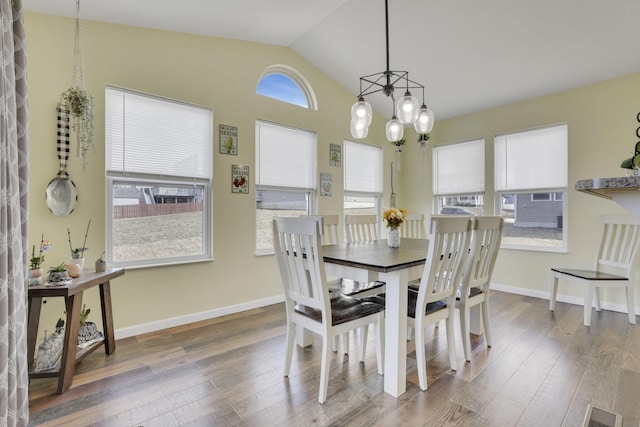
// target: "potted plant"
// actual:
[[35, 262], [101, 263], [77, 254], [58, 273]]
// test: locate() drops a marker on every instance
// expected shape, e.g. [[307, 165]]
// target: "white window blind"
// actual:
[[459, 168], [363, 168], [285, 156], [531, 159], [159, 136]]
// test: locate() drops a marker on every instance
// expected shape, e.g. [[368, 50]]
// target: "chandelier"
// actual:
[[406, 110]]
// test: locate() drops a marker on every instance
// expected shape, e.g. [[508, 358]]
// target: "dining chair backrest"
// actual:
[[618, 245], [447, 253], [485, 244], [296, 242], [413, 226], [361, 228], [330, 226]]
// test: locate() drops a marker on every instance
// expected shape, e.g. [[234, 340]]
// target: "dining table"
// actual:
[[397, 267]]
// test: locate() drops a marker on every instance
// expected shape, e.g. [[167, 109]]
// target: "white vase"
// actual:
[[75, 266], [393, 240]]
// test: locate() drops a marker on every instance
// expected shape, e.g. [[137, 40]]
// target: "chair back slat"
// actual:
[[485, 244], [413, 226], [361, 228], [447, 252], [299, 254], [330, 225], [619, 243]]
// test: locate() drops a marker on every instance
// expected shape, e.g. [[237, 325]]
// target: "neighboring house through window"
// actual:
[[530, 182], [158, 164]]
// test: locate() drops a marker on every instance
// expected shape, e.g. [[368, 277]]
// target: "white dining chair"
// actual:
[[298, 250], [413, 226], [614, 265], [476, 276], [435, 299], [361, 228]]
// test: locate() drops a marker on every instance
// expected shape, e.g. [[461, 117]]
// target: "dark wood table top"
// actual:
[[85, 281], [376, 255]]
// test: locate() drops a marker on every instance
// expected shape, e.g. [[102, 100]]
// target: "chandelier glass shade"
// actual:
[[406, 111]]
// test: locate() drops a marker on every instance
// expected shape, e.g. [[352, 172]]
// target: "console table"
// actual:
[[72, 294]]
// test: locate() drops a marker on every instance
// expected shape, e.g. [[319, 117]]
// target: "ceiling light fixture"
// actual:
[[406, 111]]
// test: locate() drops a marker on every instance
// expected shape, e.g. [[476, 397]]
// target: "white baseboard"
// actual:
[[194, 317], [621, 308]]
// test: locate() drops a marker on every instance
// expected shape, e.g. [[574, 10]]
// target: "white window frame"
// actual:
[[282, 183], [375, 179], [462, 182], [544, 156], [119, 169]]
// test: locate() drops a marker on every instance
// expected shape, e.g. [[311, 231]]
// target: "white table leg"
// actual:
[[303, 337], [395, 352], [475, 320]]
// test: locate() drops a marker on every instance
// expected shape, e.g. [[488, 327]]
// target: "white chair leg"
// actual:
[[409, 333], [324, 371], [421, 358], [596, 292], [334, 343], [486, 321], [631, 310], [379, 330], [588, 303], [362, 348], [553, 291], [451, 340], [464, 329], [291, 340], [345, 343]]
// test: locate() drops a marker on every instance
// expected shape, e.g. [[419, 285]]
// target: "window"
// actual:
[[158, 164], [531, 179], [287, 85], [458, 178], [285, 177], [362, 178]]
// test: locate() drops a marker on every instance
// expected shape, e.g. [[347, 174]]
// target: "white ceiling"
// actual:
[[470, 54]]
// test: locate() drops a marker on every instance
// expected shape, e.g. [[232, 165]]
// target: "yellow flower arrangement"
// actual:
[[394, 216]]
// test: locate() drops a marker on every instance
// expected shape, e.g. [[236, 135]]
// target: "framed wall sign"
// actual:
[[335, 155], [228, 138], [325, 184], [239, 179]]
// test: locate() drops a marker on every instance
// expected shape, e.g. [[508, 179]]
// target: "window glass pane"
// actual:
[[283, 88], [155, 222], [270, 204], [460, 205], [360, 205], [536, 224], [459, 168]]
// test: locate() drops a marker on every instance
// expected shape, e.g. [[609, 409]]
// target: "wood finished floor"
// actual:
[[543, 370]]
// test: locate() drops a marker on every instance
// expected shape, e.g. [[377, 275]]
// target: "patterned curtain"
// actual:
[[14, 203]]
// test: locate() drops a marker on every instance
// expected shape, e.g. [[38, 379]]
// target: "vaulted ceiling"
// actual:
[[470, 54]]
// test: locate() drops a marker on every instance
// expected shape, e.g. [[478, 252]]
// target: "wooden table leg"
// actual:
[[107, 318], [73, 305], [33, 322]]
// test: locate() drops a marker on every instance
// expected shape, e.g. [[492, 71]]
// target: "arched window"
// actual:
[[286, 84]]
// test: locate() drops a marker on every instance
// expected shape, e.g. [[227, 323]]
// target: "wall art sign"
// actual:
[[228, 139], [335, 155], [239, 179]]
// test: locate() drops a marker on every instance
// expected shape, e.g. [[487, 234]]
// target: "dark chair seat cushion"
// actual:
[[472, 292], [353, 287], [411, 304], [432, 307], [343, 309], [589, 274]]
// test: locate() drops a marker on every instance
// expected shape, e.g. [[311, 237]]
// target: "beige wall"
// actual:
[[209, 71], [601, 122], [223, 74]]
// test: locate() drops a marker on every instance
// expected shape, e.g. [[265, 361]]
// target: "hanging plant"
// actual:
[[399, 143], [77, 102]]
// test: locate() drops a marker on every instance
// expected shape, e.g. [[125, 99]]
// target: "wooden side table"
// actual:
[[72, 294]]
